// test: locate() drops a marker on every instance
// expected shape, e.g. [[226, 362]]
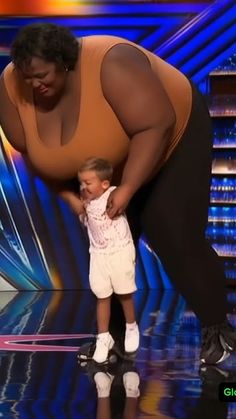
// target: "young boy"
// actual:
[[112, 255]]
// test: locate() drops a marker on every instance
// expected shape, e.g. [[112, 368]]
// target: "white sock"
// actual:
[[103, 335], [131, 326]]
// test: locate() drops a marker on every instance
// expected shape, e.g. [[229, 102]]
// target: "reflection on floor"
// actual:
[[40, 376]]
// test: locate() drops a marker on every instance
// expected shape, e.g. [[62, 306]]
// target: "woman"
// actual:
[[63, 100]]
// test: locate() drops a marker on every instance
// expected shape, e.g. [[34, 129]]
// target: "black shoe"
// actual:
[[86, 351], [119, 350], [228, 336], [211, 377], [213, 351], [214, 375]]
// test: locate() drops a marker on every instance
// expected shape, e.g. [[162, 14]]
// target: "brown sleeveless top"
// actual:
[[98, 131]]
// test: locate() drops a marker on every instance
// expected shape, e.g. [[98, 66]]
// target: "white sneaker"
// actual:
[[131, 383], [132, 339], [103, 345], [103, 383]]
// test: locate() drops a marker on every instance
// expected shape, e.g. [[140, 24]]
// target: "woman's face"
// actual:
[[44, 77]]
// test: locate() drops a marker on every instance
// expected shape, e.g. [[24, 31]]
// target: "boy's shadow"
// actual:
[[117, 384]]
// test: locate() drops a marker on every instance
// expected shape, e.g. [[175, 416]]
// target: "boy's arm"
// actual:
[[73, 200], [64, 189], [76, 204]]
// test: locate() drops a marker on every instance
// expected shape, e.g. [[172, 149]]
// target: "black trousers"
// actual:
[[172, 212]]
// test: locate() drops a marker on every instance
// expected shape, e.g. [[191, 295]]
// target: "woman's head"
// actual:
[[51, 43], [43, 53]]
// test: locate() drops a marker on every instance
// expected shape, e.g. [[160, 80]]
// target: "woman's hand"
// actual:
[[118, 200]]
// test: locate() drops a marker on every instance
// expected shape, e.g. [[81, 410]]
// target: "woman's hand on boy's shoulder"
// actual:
[[118, 200]]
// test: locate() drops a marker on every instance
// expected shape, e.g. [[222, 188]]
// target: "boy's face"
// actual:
[[92, 186]]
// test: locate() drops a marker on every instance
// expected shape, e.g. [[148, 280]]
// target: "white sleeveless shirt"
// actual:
[[106, 235]]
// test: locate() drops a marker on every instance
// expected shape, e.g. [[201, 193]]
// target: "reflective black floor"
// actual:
[[40, 377]]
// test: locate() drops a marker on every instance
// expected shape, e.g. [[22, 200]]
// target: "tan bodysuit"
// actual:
[[98, 131]]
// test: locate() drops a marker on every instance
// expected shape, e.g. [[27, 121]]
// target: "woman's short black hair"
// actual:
[[52, 43]]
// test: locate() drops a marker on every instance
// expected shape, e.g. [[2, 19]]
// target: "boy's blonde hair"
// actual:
[[101, 167]]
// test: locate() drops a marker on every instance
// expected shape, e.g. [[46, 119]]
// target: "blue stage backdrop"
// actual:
[[42, 245]]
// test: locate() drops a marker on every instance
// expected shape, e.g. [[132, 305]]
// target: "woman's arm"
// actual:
[[10, 120], [13, 130], [140, 103]]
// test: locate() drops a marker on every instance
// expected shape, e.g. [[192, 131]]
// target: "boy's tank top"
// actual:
[[98, 132]]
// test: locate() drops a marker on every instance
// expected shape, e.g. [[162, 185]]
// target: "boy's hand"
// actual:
[[83, 194], [78, 206]]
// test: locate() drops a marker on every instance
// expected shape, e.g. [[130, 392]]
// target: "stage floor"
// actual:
[[40, 333]]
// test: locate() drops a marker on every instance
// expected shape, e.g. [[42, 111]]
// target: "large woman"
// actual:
[[63, 100]]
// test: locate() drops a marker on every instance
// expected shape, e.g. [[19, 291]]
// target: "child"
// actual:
[[112, 255]]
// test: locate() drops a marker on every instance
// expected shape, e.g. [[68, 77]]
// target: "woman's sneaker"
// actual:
[[228, 336], [214, 374], [213, 350], [104, 344]]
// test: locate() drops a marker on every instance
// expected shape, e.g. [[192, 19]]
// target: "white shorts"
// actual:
[[114, 272]]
